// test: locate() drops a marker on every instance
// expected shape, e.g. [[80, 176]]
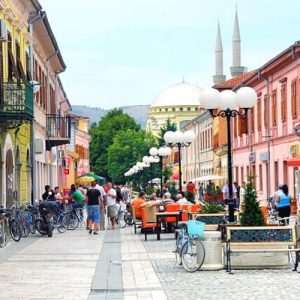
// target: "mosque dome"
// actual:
[[181, 94]]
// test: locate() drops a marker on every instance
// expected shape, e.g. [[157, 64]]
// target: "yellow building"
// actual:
[[180, 103], [16, 103]]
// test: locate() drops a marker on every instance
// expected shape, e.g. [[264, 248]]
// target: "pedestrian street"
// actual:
[[121, 265]]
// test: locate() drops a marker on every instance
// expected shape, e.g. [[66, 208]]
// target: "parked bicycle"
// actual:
[[123, 217], [9, 228], [190, 251]]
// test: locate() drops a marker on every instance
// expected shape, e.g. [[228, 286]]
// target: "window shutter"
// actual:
[[283, 102], [274, 108], [294, 98], [242, 123], [259, 114], [252, 116], [265, 111]]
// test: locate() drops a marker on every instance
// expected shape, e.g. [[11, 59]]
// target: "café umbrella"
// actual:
[[88, 178]]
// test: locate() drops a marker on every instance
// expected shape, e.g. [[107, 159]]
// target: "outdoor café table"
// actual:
[[161, 215]]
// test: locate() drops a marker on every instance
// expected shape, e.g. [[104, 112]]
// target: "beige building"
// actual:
[[197, 159], [180, 103]]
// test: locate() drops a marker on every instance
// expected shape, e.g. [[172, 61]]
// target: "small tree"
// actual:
[[252, 215]]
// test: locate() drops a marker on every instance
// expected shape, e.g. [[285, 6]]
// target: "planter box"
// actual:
[[213, 220]]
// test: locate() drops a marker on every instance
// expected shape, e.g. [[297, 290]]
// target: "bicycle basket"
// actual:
[[195, 228]]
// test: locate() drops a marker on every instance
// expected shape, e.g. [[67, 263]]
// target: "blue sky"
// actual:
[[125, 52]]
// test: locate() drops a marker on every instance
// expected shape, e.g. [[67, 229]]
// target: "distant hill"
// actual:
[[138, 112]]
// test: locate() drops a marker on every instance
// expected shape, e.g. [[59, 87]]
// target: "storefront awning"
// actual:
[[294, 162]]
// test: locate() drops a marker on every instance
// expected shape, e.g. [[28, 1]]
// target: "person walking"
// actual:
[[111, 204], [283, 200], [102, 212], [225, 192], [200, 191], [95, 204]]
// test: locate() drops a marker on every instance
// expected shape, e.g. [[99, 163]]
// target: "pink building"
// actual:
[[264, 143]]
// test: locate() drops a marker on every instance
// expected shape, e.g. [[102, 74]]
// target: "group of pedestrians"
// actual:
[[100, 200]]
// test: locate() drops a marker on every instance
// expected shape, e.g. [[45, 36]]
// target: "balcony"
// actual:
[[58, 130], [16, 104]]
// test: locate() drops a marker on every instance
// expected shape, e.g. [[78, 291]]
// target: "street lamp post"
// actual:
[[161, 153], [227, 103], [179, 140]]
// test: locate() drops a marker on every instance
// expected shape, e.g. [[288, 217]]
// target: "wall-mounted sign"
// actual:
[[66, 171]]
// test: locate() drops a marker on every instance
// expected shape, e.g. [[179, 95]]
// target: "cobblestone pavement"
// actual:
[[121, 265], [243, 284]]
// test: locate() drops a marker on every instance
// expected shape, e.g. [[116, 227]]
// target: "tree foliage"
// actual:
[[252, 215], [103, 135], [168, 126], [127, 149]]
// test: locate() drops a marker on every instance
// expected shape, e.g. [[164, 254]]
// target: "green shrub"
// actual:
[[252, 215]]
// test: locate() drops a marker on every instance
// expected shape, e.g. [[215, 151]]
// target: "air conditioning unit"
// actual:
[[3, 30], [264, 156]]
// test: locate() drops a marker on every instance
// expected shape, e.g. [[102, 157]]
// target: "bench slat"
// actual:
[[263, 250]]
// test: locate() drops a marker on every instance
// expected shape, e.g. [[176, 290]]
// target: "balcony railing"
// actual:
[[16, 104], [58, 130]]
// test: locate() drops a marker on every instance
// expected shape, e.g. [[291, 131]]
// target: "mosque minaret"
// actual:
[[236, 68], [219, 76]]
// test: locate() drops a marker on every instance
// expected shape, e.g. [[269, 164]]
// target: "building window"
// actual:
[[259, 114], [274, 108], [252, 117], [243, 128], [196, 108], [173, 109], [260, 178], [181, 109], [189, 109], [166, 109], [242, 174], [283, 102], [276, 175], [265, 111], [294, 99]]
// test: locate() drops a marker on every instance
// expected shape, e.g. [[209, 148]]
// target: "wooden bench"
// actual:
[[238, 237]]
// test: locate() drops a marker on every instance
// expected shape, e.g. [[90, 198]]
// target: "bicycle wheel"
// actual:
[[61, 224], [72, 221], [25, 230], [128, 219], [31, 222], [3, 235], [192, 255], [14, 230], [121, 220], [178, 249]]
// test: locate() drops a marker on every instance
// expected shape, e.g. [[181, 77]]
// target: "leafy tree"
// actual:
[[168, 126], [127, 149], [103, 134], [167, 172], [252, 215]]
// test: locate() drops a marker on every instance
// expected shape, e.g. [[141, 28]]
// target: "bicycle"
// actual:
[[189, 250], [120, 217], [9, 228], [180, 241]]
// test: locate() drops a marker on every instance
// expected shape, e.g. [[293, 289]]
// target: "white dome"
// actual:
[[179, 94]]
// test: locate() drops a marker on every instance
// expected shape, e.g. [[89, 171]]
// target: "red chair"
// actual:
[[148, 220], [172, 208]]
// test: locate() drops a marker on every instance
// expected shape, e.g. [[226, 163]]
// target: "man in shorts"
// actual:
[[111, 204], [95, 203]]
